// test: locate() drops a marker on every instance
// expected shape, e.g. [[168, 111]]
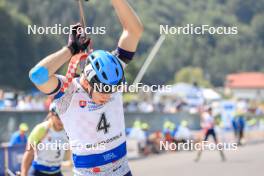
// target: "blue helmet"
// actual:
[[107, 67]]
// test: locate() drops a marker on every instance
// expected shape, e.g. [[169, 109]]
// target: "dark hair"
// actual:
[[209, 109]]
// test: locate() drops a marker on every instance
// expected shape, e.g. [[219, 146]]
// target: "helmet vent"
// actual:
[[113, 60], [116, 71], [97, 65], [104, 75]]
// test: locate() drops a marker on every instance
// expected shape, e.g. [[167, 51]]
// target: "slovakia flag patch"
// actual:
[[82, 103]]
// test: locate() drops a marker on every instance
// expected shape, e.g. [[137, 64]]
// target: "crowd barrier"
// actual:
[[155, 120], [10, 159], [2, 161]]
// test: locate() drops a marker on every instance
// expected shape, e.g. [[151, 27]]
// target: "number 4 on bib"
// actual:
[[103, 125]]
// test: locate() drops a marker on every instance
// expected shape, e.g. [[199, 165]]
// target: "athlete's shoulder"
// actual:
[[66, 89], [38, 132], [63, 99], [42, 127]]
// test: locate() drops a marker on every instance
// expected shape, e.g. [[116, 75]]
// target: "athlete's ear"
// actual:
[[83, 81], [86, 84]]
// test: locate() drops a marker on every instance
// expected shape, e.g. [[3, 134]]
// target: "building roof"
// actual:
[[245, 80]]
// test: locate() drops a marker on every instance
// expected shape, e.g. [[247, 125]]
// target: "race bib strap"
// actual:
[[95, 160]]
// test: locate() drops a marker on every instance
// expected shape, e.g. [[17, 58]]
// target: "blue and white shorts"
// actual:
[[117, 168]]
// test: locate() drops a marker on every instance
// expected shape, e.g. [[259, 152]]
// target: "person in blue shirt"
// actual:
[[19, 137], [241, 126]]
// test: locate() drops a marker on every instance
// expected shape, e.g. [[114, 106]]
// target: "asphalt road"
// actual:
[[246, 161]]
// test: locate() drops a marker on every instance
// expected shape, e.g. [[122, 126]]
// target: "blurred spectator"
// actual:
[[20, 101], [208, 125], [183, 133], [166, 126], [169, 127], [25, 103], [234, 125], [180, 104], [169, 130], [10, 100], [145, 128], [241, 126], [148, 148], [259, 112], [239, 123], [38, 103], [159, 107], [132, 107], [145, 107], [138, 134], [19, 137], [261, 124], [251, 123], [170, 107], [156, 138]]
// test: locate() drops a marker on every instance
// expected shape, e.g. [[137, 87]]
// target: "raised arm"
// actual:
[[43, 74], [132, 26], [27, 160]]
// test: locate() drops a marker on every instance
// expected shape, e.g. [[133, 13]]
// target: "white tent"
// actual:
[[210, 94], [187, 92]]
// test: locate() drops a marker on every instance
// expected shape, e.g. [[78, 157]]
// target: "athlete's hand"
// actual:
[[78, 40]]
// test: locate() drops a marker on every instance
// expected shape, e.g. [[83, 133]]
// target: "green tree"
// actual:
[[216, 55], [192, 75]]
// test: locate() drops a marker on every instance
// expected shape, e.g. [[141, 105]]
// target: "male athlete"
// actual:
[[46, 149], [208, 123], [94, 121]]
